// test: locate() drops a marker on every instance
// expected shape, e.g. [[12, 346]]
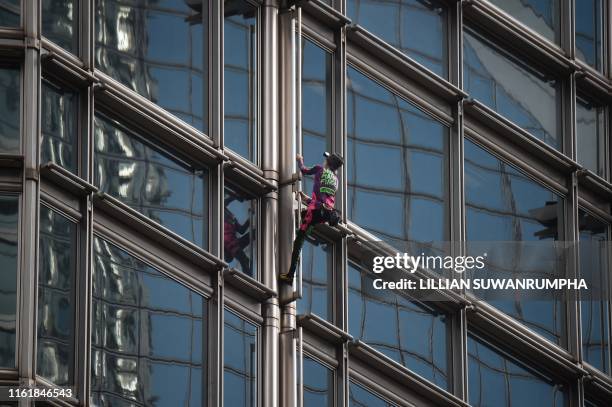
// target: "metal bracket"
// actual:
[[32, 43], [32, 174]]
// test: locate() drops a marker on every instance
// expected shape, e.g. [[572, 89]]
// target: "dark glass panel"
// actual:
[[157, 49], [505, 205], [60, 23], [595, 312], [151, 181], [317, 279], [317, 102], [415, 27], [10, 11], [240, 75], [59, 126], [407, 332], [318, 384], [590, 32], [590, 136], [511, 88], [397, 166], [541, 16], [148, 335], [495, 379], [239, 231], [56, 299], [240, 362], [9, 223], [360, 397], [10, 110]]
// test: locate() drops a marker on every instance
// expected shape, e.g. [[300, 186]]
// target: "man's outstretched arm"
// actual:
[[303, 168]]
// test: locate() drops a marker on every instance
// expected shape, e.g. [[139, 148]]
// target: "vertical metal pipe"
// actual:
[[30, 129], [270, 166]]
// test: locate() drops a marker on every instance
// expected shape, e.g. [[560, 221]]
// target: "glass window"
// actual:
[[505, 205], [408, 332], [415, 27], [240, 75], [508, 86], [590, 32], [595, 312], [360, 397], [60, 23], [148, 334], [56, 299], [240, 362], [9, 227], [10, 11], [541, 16], [397, 166], [10, 110], [318, 384], [157, 49], [317, 100], [151, 181], [317, 279], [239, 231], [590, 136], [495, 379], [59, 127]]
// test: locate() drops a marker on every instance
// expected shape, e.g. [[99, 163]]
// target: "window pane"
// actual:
[[589, 32], [415, 27], [148, 335], [495, 379], [406, 199], [60, 23], [317, 102], [157, 49], [595, 313], [10, 110], [317, 280], [407, 332], [240, 362], [508, 86], [318, 384], [151, 181], [505, 205], [9, 221], [10, 11], [56, 298], [541, 16], [240, 44], [360, 397], [590, 133], [59, 126], [239, 231]]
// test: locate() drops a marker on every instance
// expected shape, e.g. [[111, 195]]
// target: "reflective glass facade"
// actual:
[[141, 267]]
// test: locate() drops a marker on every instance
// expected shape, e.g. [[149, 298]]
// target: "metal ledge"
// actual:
[[61, 64], [158, 233], [524, 344], [247, 284], [246, 175], [404, 64], [595, 183], [324, 13], [598, 384], [323, 329], [483, 114], [403, 375], [514, 35], [11, 161], [593, 84], [66, 180], [114, 97]]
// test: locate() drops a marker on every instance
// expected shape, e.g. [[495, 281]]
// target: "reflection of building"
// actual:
[[147, 199]]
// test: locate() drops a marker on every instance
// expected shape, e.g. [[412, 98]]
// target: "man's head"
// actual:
[[333, 161]]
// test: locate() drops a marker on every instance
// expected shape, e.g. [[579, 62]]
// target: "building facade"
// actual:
[[148, 184]]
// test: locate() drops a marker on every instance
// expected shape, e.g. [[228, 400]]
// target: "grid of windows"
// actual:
[[148, 198]]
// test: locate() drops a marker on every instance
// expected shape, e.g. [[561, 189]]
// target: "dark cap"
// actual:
[[334, 160]]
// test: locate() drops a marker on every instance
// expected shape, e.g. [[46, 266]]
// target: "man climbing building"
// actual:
[[320, 205]]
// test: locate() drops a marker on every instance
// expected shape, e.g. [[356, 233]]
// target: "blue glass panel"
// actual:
[[9, 224], [541, 16], [318, 384], [317, 280], [239, 231], [590, 136], [10, 12], [590, 32], [59, 126], [240, 362], [60, 23], [10, 110], [360, 397]]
